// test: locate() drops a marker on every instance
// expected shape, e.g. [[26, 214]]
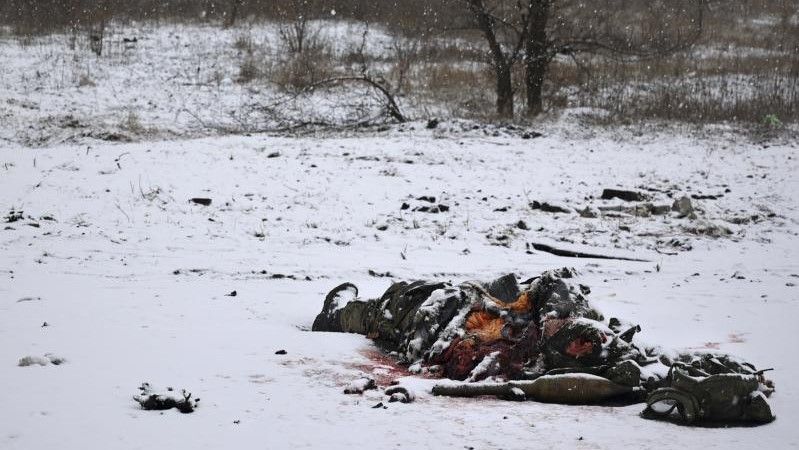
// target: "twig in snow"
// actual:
[[576, 254]]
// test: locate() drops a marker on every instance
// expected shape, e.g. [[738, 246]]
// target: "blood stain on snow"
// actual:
[[737, 338], [384, 368]]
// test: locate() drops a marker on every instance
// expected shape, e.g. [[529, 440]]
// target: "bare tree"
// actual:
[[295, 29], [233, 13], [502, 57], [539, 30]]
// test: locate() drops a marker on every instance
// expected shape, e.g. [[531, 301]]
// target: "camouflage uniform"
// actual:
[[546, 326]]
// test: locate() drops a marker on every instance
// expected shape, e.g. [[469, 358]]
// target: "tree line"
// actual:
[[526, 34]]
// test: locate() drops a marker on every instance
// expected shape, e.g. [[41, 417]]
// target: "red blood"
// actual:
[[579, 347]]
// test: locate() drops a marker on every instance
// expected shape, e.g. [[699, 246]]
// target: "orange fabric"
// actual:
[[485, 325], [520, 305]]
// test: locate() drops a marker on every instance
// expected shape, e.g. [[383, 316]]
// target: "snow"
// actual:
[[183, 80], [359, 386], [33, 360], [570, 376], [485, 366], [343, 298], [431, 307], [133, 282], [133, 279]]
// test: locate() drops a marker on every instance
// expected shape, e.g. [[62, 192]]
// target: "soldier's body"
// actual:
[[511, 331]]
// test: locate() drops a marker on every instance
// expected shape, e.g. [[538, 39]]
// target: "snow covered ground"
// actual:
[[100, 242], [176, 81]]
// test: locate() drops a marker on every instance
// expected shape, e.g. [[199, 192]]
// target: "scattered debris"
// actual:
[[399, 394], [683, 207], [380, 274], [499, 240], [14, 216], [709, 229], [432, 209], [360, 385], [589, 212], [549, 207], [201, 201], [706, 197], [55, 360], [33, 360], [627, 196], [531, 135], [744, 220], [160, 402], [47, 359], [576, 254], [645, 209]]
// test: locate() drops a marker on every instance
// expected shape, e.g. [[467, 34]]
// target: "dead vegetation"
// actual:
[[743, 68]]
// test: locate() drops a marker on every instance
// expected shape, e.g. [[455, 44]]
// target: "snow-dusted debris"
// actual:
[[45, 360]]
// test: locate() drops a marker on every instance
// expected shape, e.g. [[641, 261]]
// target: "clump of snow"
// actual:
[[400, 394], [343, 297], [45, 360], [415, 367], [151, 399], [488, 366], [455, 326], [33, 360], [360, 385], [433, 304]]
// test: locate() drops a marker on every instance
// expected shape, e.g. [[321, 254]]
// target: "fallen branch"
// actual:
[[575, 254], [392, 108]]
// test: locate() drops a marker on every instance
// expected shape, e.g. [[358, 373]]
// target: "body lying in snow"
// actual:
[[510, 331]]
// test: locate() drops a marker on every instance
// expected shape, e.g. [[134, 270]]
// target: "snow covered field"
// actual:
[[100, 242], [176, 81]]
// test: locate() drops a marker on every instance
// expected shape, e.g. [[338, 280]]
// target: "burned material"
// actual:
[[538, 340]]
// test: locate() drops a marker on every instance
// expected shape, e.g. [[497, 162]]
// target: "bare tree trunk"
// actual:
[[232, 15], [96, 37], [537, 56], [503, 64], [504, 91]]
